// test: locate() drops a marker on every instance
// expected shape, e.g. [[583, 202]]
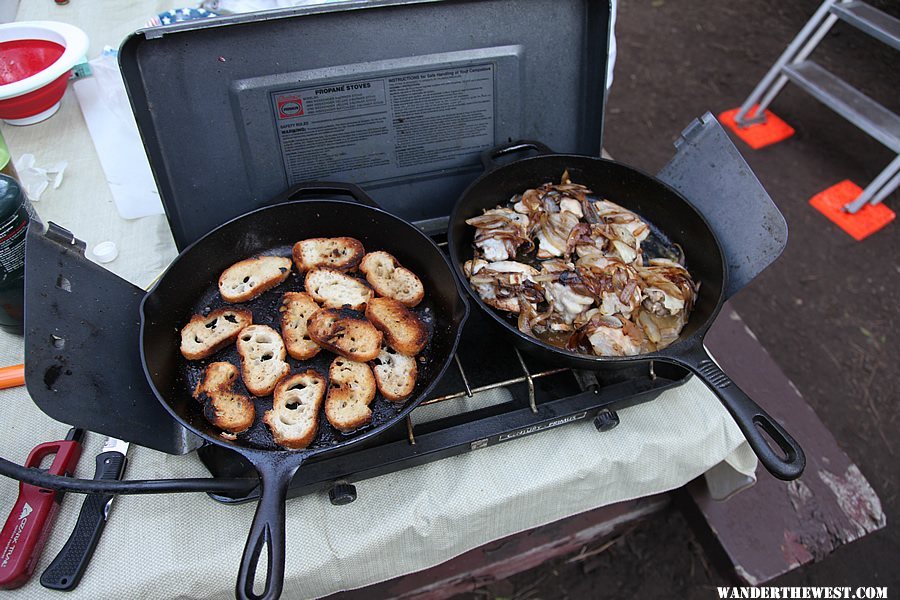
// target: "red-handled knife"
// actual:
[[28, 525]]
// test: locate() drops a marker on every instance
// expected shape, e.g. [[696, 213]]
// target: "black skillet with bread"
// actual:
[[189, 287]]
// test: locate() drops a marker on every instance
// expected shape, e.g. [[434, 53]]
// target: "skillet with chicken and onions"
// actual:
[[572, 268]]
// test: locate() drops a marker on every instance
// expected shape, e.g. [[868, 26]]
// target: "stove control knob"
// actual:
[[606, 419], [342, 493]]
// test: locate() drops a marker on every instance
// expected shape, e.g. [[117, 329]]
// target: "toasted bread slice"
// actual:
[[402, 329], [230, 412], [247, 279], [388, 278], [395, 374], [333, 289], [351, 389], [222, 406], [294, 417], [340, 253], [204, 336], [344, 334], [296, 309], [217, 377], [262, 359]]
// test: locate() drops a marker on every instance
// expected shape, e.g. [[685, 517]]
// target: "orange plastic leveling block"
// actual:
[[861, 225], [771, 131]]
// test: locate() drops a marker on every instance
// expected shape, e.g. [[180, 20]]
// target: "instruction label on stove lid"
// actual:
[[383, 128]]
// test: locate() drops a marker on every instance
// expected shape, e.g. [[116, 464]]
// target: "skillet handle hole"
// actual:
[[772, 438], [262, 570]]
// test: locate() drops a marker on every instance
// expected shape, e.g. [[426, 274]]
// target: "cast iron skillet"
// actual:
[[272, 230], [665, 208]]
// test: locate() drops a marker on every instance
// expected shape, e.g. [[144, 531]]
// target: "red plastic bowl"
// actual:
[[36, 102], [23, 58], [35, 60]]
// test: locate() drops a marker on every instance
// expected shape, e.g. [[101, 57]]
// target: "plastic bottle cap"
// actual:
[[10, 192], [105, 252]]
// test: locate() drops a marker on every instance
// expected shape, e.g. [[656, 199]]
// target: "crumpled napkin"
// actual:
[[34, 179]]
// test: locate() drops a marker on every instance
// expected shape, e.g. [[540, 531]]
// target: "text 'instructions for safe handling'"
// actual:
[[382, 128]]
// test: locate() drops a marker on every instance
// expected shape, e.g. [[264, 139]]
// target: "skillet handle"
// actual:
[[748, 416], [489, 157], [317, 188], [267, 532]]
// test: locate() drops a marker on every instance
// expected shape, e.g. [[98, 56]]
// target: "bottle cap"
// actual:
[[105, 252]]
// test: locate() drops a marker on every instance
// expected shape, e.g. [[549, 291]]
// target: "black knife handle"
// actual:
[[66, 570]]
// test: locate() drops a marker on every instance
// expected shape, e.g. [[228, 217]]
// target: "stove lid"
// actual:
[[398, 96]]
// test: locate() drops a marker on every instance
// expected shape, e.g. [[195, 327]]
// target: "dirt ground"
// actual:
[[827, 311]]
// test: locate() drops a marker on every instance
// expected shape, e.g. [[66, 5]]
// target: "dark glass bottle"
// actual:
[[15, 213]]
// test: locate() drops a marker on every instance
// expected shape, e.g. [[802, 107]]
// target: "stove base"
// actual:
[[402, 448]]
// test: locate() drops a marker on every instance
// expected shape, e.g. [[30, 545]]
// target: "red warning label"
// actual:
[[290, 106]]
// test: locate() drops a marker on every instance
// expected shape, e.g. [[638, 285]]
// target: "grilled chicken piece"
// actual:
[[614, 284], [667, 298], [607, 336], [564, 290], [552, 233], [500, 232], [502, 284]]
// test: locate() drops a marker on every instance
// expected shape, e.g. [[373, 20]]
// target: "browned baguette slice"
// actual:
[[346, 335], [341, 253], [222, 406], [333, 289], [296, 309], [395, 375], [402, 329], [204, 336], [230, 412], [351, 389], [217, 377], [388, 278], [249, 278], [294, 417], [262, 359]]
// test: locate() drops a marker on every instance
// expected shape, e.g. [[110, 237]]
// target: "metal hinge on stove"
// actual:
[[693, 131], [64, 238]]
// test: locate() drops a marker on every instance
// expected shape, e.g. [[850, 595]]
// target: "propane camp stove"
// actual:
[[491, 394]]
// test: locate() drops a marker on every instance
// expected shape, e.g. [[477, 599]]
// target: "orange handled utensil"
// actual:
[[13, 376]]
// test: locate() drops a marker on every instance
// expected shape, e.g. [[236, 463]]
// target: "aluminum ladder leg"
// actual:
[[793, 65]]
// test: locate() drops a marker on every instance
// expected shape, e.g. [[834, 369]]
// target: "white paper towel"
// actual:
[[104, 104]]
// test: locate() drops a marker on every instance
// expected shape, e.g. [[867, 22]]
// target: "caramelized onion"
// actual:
[[610, 301]]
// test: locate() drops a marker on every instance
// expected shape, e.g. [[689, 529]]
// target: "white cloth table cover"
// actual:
[[189, 546]]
